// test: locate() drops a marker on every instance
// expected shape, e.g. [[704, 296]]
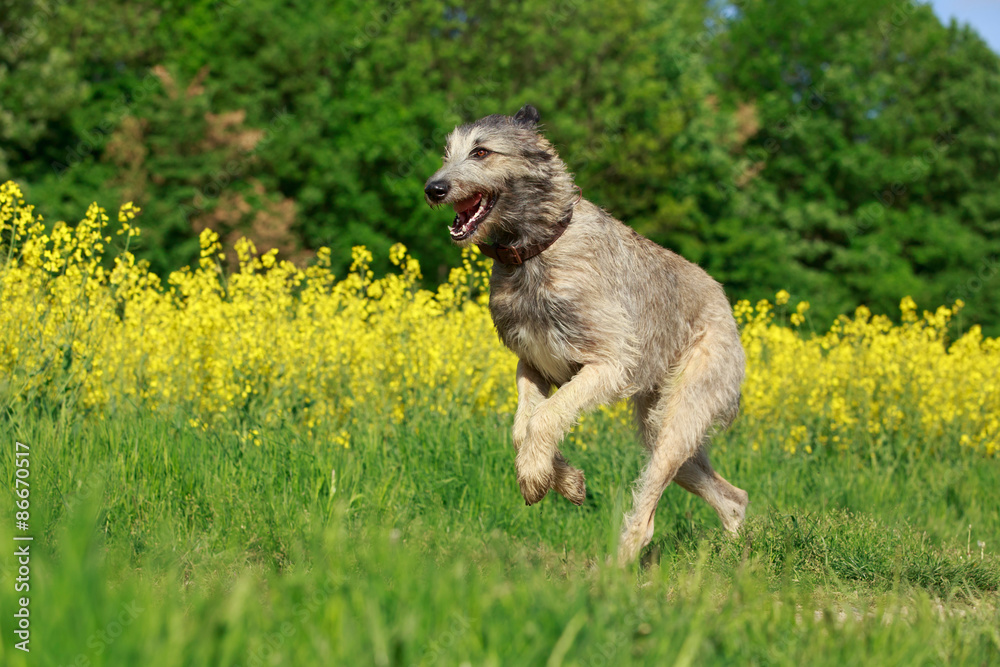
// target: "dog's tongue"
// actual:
[[466, 204]]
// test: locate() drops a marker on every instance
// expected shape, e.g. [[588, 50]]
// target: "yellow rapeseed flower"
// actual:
[[272, 343]]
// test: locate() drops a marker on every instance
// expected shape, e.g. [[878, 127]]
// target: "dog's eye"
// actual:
[[480, 152]]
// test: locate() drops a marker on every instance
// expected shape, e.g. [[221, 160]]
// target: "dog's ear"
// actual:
[[527, 116]]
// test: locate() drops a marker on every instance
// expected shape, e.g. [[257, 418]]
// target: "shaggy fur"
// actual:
[[602, 314]]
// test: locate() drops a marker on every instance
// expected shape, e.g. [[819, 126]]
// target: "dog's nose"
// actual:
[[436, 190]]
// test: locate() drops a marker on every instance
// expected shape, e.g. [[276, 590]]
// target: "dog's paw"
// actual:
[[636, 534], [569, 482], [534, 487], [628, 549]]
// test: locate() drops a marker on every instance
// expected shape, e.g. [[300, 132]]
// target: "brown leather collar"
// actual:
[[508, 254]]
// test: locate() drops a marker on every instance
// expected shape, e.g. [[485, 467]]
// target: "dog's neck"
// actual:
[[537, 221], [533, 233], [532, 238], [519, 254]]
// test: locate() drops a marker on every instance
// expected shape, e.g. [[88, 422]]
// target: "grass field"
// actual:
[[274, 466], [159, 546]]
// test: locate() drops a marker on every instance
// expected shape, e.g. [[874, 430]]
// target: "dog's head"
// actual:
[[499, 174]]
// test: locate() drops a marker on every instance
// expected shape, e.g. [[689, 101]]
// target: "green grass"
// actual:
[[156, 545]]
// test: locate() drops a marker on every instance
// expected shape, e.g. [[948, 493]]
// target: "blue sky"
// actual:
[[982, 15]]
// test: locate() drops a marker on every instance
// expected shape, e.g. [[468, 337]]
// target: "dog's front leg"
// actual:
[[532, 389], [539, 464]]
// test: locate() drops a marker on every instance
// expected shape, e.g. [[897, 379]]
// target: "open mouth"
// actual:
[[469, 213]]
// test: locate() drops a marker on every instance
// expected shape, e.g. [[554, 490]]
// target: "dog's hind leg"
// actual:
[[532, 389], [540, 466], [728, 501], [704, 391]]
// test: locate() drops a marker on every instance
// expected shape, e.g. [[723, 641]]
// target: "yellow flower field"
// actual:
[[89, 330]]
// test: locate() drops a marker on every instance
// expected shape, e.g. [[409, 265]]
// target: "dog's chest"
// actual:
[[537, 323]]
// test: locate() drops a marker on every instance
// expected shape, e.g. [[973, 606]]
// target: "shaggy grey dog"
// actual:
[[598, 311]]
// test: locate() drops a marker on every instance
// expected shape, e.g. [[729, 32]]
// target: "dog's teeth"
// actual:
[[466, 222]]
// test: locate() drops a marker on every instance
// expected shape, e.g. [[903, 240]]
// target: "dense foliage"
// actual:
[[848, 150], [878, 154]]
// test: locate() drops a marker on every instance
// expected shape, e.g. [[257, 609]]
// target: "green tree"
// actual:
[[847, 152], [368, 92], [877, 148]]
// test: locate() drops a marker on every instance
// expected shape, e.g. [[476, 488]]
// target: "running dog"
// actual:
[[598, 311]]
